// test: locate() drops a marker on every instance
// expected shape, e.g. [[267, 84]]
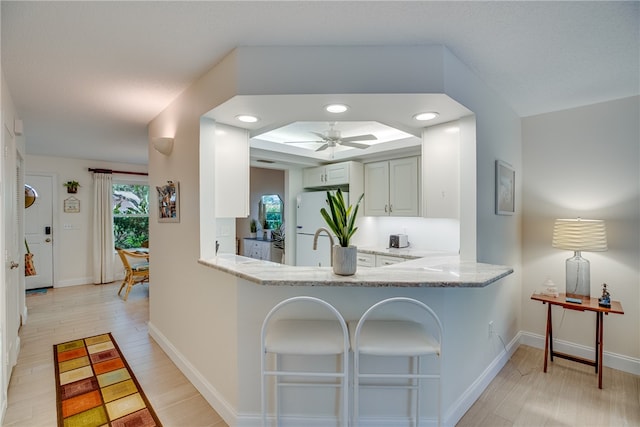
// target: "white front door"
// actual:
[[39, 231]]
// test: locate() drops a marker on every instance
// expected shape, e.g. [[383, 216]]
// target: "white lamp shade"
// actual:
[[163, 145], [588, 235]]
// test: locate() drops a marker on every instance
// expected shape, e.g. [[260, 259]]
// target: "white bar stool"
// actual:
[[303, 336], [396, 338]]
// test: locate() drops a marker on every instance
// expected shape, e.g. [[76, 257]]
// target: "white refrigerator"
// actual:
[[308, 220]]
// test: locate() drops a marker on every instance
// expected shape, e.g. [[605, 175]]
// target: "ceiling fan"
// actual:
[[332, 138]]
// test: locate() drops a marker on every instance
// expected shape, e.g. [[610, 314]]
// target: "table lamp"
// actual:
[[579, 235]]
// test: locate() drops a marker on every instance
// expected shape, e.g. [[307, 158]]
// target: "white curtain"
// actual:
[[103, 248]]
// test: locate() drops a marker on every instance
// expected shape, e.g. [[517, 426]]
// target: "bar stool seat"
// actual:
[[393, 338], [305, 337], [396, 338]]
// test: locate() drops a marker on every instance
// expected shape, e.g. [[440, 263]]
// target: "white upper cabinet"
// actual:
[[392, 188], [334, 175]]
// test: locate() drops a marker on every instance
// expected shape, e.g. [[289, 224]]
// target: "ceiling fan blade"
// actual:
[[367, 137], [302, 142], [322, 137], [323, 147], [353, 144]]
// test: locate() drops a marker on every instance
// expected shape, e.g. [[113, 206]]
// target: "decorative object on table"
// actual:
[[253, 228], [72, 186], [169, 202], [71, 205], [505, 189], [605, 299], [579, 235], [29, 266], [95, 386], [549, 288], [30, 195], [342, 222]]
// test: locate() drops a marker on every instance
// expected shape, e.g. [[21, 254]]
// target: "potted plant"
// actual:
[[253, 227], [72, 186], [342, 222]]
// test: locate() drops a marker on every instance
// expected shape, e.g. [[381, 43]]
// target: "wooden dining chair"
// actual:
[[136, 267]]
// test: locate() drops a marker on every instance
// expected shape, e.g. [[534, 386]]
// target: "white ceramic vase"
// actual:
[[345, 260]]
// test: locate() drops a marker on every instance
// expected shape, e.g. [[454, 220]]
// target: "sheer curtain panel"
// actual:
[[103, 249]]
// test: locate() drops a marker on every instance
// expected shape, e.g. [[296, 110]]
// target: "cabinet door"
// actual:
[[382, 260], [337, 174], [403, 187], [376, 189], [314, 177], [247, 246], [366, 260]]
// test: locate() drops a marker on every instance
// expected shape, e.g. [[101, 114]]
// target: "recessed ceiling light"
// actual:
[[426, 116], [336, 108], [247, 118]]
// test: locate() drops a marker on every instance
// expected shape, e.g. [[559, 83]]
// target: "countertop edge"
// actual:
[[323, 276]]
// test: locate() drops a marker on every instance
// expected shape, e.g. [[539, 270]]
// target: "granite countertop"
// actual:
[[406, 253], [429, 271]]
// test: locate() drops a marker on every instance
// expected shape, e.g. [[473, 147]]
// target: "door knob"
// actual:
[[47, 240], [14, 265]]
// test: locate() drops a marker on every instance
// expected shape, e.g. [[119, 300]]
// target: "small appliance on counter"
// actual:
[[398, 241]]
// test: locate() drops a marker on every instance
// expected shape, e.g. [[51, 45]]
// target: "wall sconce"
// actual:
[[163, 145]]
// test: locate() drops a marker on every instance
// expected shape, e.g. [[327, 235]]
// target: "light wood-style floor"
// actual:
[[521, 394], [65, 314]]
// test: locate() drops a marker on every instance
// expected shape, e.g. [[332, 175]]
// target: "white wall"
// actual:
[[584, 162], [73, 247]]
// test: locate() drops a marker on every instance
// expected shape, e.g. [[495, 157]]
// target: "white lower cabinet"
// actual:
[[382, 260], [376, 260], [366, 260], [261, 249]]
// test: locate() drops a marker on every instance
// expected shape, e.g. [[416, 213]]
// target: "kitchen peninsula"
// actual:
[[435, 270], [461, 293]]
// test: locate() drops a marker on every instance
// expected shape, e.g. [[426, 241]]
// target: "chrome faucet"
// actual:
[[315, 241]]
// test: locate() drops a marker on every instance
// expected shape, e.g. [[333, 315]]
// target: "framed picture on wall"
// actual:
[[505, 189], [169, 202]]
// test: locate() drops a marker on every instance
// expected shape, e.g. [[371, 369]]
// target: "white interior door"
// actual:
[[13, 253], [39, 231]]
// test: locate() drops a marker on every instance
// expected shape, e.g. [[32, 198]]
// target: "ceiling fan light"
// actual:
[[245, 118], [426, 116], [336, 108]]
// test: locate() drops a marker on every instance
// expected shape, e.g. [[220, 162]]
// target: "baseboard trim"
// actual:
[[473, 392], [73, 282], [610, 360], [211, 395]]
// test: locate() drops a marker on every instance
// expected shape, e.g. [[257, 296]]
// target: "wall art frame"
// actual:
[[505, 188], [169, 202], [71, 205]]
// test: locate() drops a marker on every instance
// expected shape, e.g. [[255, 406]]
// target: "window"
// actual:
[[130, 215]]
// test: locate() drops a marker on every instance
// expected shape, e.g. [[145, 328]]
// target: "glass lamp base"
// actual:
[[578, 280]]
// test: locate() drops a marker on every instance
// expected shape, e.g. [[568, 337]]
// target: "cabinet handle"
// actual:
[[326, 178], [390, 208], [321, 177], [386, 207]]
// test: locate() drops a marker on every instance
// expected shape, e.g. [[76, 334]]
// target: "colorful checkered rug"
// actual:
[[96, 387]]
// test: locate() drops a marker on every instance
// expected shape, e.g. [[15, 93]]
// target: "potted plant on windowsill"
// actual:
[[72, 186], [342, 222]]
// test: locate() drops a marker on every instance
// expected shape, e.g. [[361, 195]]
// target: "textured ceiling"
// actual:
[[87, 77]]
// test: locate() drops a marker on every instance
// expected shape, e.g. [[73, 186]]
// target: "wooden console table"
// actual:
[[588, 304]]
